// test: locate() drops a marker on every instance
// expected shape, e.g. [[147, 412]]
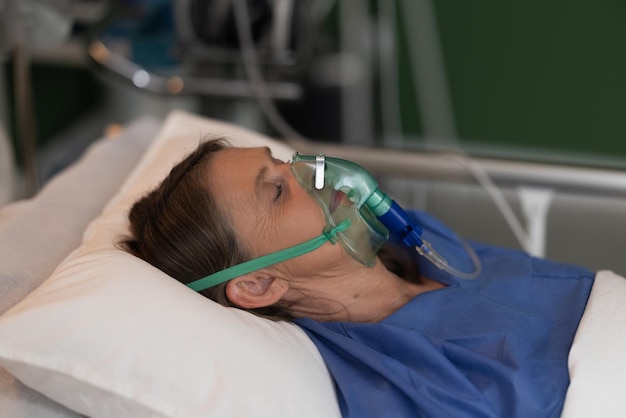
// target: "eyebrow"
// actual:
[[259, 181]]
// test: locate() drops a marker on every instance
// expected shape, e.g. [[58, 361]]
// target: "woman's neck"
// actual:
[[361, 295]]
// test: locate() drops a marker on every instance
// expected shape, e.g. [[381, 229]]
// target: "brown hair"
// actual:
[[179, 228]]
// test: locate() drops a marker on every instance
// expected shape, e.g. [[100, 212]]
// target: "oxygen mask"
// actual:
[[345, 190], [341, 188]]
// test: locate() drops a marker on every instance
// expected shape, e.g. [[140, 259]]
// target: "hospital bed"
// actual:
[[88, 330]]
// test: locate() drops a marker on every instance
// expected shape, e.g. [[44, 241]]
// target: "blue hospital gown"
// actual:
[[495, 346]]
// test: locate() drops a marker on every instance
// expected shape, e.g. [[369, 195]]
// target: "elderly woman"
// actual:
[[401, 337]]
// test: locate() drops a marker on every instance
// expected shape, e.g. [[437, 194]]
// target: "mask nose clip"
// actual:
[[320, 165]]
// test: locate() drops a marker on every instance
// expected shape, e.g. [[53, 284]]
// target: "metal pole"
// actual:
[[429, 70], [24, 112]]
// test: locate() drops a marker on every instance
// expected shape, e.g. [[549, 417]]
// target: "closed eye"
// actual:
[[279, 191]]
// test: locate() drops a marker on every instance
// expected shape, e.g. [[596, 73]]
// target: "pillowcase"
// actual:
[[597, 364], [108, 335]]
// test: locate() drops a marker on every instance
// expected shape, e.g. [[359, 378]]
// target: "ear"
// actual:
[[255, 290]]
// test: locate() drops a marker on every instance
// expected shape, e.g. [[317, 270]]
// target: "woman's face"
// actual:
[[270, 211]]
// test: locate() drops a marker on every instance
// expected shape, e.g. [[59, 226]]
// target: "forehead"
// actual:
[[232, 174], [239, 156], [231, 167]]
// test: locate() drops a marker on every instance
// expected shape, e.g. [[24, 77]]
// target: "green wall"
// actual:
[[547, 75]]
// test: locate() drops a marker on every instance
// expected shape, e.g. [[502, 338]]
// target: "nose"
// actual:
[[285, 167], [294, 184]]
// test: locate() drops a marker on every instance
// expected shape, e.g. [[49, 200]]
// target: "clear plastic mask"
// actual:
[[341, 188]]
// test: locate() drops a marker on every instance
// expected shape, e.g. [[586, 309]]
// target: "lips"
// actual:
[[336, 198]]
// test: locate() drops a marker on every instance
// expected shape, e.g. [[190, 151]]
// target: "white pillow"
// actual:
[[597, 363], [108, 335]]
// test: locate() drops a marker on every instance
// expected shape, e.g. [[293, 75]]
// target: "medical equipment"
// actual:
[[330, 179]]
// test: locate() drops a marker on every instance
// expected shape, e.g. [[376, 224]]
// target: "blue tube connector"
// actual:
[[397, 221]]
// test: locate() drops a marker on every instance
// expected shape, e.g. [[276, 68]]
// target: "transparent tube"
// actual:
[[428, 252]]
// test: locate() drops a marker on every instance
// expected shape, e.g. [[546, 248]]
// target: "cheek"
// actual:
[[300, 220], [297, 220], [304, 218]]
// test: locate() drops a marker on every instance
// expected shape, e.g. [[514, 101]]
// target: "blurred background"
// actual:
[[530, 81], [538, 80]]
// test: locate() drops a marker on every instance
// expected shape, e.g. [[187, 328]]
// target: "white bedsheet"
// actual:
[[597, 360]]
